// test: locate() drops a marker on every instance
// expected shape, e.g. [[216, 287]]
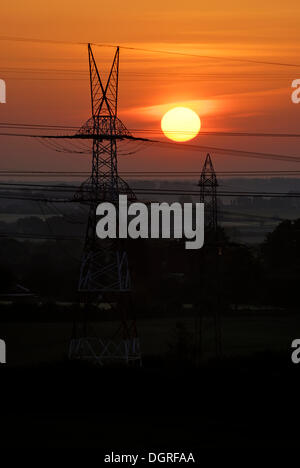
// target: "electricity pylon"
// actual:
[[104, 273], [208, 194]]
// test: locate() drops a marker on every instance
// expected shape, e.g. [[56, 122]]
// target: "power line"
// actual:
[[39, 236], [220, 193], [149, 78], [143, 175], [83, 173], [251, 215], [22, 126], [229, 151], [79, 137], [38, 41], [213, 57], [68, 188], [37, 126], [43, 200], [154, 51], [175, 146], [168, 192], [137, 74]]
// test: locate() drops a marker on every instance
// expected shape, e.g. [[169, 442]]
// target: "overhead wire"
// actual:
[[175, 146], [148, 191], [152, 51], [230, 133]]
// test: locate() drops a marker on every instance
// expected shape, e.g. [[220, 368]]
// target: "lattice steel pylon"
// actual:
[[208, 194], [104, 273]]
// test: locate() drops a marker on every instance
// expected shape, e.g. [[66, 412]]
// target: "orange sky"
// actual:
[[227, 95]]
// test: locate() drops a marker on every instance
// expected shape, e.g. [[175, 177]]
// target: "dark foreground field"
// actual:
[[247, 398], [249, 402]]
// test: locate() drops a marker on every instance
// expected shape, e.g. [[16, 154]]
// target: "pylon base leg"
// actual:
[[104, 352]]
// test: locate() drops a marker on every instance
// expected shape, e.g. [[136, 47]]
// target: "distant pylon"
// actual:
[[208, 194], [104, 273]]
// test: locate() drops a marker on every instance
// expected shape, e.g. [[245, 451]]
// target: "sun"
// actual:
[[180, 124]]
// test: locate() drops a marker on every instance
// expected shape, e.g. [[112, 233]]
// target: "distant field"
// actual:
[[34, 343]]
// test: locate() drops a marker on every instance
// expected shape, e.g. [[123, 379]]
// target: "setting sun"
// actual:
[[180, 124]]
